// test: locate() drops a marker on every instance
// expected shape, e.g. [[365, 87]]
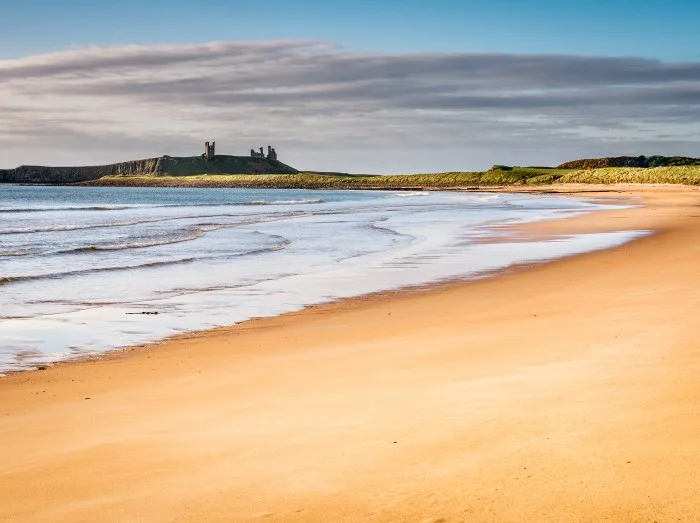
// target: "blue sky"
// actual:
[[362, 86], [649, 28]]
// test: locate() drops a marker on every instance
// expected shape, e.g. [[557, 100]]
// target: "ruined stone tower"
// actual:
[[209, 150], [271, 153]]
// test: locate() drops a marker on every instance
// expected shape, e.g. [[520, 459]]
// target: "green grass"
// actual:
[[503, 175], [688, 175], [513, 176]]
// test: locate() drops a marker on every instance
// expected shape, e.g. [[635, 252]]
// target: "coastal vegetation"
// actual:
[[263, 172], [688, 175], [630, 161], [497, 176]]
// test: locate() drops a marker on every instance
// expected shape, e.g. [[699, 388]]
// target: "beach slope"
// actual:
[[565, 391]]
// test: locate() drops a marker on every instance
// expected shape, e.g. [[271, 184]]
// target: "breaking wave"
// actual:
[[61, 209], [198, 233], [57, 275], [246, 220], [284, 202]]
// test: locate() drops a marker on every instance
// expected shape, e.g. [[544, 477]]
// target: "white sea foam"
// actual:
[[285, 202], [206, 258]]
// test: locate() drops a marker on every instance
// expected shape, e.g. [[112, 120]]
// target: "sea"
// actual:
[[87, 269]]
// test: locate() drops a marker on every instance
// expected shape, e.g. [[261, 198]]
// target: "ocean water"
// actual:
[[80, 266]]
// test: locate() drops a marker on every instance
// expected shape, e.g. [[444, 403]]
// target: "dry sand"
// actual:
[[567, 391]]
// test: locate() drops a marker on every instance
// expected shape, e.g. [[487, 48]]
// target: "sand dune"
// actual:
[[566, 391]]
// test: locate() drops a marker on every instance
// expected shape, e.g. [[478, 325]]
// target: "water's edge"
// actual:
[[459, 261]]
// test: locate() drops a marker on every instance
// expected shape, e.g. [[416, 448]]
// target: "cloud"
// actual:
[[327, 108]]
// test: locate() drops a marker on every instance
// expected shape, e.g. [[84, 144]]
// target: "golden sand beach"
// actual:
[[564, 391]]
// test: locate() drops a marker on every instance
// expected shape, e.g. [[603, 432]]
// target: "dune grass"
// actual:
[[688, 175], [503, 175]]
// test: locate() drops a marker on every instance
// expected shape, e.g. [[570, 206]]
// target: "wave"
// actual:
[[283, 202], [21, 252], [59, 209], [135, 245], [234, 204], [237, 204], [412, 194], [195, 233], [374, 226], [161, 206], [58, 275], [479, 197], [68, 228]]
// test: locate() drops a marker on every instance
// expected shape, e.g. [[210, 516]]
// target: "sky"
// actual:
[[380, 86]]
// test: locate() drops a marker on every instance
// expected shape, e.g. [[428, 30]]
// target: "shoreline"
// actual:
[[518, 188], [515, 232], [349, 302], [252, 410]]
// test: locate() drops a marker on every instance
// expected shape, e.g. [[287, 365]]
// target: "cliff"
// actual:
[[630, 161], [163, 166]]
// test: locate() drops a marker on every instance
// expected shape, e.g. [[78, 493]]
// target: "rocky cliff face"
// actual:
[[40, 174], [163, 166]]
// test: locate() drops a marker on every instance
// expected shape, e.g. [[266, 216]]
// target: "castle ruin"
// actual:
[[209, 150], [271, 153]]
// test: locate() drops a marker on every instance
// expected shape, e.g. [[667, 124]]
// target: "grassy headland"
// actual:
[[496, 176]]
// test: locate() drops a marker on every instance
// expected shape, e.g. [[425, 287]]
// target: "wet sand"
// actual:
[[565, 391]]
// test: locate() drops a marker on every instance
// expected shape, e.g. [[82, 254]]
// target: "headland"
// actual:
[[264, 170], [159, 167]]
